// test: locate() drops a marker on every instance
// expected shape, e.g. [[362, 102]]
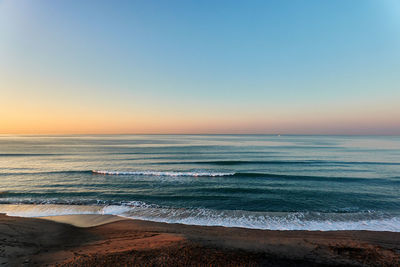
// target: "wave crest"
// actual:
[[165, 173]]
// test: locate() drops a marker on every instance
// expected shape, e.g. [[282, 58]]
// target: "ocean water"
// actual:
[[254, 181]]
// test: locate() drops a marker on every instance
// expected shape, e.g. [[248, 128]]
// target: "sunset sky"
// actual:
[[289, 67]]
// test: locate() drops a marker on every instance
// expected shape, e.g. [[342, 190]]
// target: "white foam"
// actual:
[[266, 221], [115, 210], [227, 218], [165, 173]]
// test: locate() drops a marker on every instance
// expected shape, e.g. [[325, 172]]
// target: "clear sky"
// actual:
[[288, 67]]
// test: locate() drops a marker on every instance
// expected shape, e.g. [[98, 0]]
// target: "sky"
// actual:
[[273, 67]]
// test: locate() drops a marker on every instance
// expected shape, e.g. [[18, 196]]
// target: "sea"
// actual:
[[277, 182]]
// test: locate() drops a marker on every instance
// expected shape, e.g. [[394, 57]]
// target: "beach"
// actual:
[[199, 200], [106, 240]]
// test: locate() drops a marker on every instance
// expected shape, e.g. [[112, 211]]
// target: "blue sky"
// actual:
[[201, 66]]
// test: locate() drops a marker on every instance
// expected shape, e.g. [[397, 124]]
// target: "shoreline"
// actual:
[[276, 221], [109, 240]]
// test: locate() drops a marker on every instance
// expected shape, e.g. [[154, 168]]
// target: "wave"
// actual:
[[166, 173], [280, 162], [312, 221], [243, 175], [310, 177]]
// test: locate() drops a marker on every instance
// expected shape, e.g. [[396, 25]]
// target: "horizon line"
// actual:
[[270, 134]]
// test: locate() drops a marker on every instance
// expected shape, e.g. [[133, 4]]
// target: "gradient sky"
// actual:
[[295, 67]]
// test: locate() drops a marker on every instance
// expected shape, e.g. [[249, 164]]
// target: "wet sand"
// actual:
[[103, 240]]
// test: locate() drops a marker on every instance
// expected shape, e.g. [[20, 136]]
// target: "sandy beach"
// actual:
[[105, 240]]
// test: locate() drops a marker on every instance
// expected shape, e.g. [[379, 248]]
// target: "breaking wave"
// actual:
[[245, 175], [208, 173], [165, 173], [311, 221]]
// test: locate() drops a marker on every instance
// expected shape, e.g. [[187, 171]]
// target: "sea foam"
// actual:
[[227, 218], [165, 173]]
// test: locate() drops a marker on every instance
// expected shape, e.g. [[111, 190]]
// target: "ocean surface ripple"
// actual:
[[253, 181]]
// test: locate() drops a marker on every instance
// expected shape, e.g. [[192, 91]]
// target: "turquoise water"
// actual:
[[254, 181]]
